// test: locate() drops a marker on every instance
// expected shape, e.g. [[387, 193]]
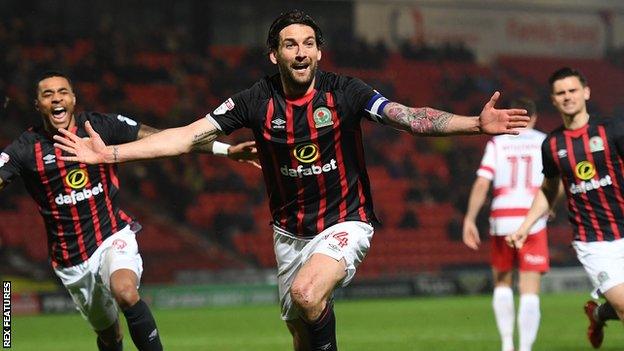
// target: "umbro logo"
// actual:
[[49, 158], [562, 153], [278, 123]]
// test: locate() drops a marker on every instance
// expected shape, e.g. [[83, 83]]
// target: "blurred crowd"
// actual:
[[164, 78]]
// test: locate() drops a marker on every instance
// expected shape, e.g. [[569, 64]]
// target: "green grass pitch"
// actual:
[[445, 323]]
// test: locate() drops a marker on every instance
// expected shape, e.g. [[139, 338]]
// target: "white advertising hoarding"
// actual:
[[488, 32]]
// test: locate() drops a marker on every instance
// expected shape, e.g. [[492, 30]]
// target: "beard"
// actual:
[[296, 83]]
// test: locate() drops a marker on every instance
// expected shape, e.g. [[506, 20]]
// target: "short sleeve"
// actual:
[[234, 113], [361, 97], [487, 168], [618, 134], [115, 128], [549, 166], [10, 161]]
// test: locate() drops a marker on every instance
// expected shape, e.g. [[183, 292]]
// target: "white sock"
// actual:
[[503, 304], [528, 320]]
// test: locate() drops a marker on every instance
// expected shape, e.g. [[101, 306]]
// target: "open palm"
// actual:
[[90, 150], [505, 121]]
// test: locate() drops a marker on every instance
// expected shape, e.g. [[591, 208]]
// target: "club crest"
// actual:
[[322, 117]]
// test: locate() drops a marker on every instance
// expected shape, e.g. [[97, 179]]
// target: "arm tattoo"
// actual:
[[115, 154], [421, 120], [202, 142]]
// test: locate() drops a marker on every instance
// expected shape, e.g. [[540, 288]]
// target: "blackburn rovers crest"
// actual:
[[322, 117]]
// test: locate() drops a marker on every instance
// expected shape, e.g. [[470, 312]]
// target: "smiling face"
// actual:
[[56, 102], [297, 59]]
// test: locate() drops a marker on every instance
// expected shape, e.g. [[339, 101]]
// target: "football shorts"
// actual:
[[349, 240], [89, 282]]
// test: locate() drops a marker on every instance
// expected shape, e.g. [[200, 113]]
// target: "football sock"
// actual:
[[142, 327], [528, 320], [322, 332], [118, 346], [605, 312], [503, 305]]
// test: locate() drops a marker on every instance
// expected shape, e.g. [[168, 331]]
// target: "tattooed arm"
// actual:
[[422, 120], [196, 136], [429, 121]]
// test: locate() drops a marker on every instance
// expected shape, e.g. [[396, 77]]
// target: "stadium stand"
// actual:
[[418, 189]]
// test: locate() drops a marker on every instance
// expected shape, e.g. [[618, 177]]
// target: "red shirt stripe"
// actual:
[[601, 194], [76, 218], [362, 162], [290, 141], [267, 136], [509, 212], [93, 209], [107, 200], [574, 209], [344, 186], [612, 173], [592, 215], [320, 221], [55, 211]]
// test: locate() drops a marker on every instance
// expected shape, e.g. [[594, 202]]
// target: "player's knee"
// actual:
[[303, 297], [126, 295]]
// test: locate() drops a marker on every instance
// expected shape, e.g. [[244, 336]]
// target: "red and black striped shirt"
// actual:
[[78, 202], [589, 162], [310, 148]]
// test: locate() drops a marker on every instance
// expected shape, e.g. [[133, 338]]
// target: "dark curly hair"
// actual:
[[286, 19]]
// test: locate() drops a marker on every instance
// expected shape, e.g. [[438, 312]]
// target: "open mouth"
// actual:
[[59, 113], [300, 67]]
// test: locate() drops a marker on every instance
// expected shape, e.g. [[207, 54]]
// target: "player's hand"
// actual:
[[244, 152], [471, 235], [517, 239], [89, 149], [495, 121]]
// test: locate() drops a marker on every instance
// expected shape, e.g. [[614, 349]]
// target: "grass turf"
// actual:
[[446, 323]]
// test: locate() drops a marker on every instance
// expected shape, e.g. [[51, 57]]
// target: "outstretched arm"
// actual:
[[544, 200], [478, 194], [429, 121], [169, 142], [242, 152], [145, 131]]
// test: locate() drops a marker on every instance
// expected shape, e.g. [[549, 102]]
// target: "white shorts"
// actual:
[[349, 240], [89, 282], [603, 261]]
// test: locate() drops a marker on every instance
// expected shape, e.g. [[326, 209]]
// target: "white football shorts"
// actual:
[[603, 261], [349, 240], [89, 282]]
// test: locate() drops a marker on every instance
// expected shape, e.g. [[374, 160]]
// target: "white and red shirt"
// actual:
[[514, 165]]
